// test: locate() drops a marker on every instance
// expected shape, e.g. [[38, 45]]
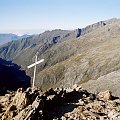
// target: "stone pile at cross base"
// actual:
[[59, 104]]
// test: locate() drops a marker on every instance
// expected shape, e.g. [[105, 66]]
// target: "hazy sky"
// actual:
[[34, 16]]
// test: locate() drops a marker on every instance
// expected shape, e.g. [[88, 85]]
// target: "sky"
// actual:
[[36, 16]]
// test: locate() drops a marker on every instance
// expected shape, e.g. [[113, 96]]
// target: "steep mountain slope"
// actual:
[[96, 54], [44, 41], [70, 56]]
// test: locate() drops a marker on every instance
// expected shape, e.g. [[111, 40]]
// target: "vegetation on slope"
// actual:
[[70, 60]]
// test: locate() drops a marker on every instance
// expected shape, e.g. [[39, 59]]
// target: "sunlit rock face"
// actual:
[[61, 103]]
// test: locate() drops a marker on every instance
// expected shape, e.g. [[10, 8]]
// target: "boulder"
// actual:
[[105, 96]]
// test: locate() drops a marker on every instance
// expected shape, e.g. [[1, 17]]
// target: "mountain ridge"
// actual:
[[70, 59]]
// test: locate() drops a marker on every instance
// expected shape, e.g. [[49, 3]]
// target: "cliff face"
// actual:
[[75, 103]]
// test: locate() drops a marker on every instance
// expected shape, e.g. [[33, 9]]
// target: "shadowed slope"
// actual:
[[11, 77]]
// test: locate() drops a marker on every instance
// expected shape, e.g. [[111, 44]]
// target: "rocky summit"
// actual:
[[59, 104]]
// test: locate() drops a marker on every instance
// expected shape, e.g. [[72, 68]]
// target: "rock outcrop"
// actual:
[[89, 28], [68, 103]]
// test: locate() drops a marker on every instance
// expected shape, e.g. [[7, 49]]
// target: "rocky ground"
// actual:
[[59, 104]]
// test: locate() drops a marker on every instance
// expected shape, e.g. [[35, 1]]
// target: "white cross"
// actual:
[[32, 65]]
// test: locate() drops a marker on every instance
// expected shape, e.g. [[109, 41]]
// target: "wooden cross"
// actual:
[[34, 65]]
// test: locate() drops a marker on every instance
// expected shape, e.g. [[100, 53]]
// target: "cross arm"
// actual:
[[38, 62]]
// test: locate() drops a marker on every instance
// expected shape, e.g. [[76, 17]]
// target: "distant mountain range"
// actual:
[[84, 56], [4, 38]]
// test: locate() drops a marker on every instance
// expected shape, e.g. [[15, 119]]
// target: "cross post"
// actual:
[[34, 65]]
